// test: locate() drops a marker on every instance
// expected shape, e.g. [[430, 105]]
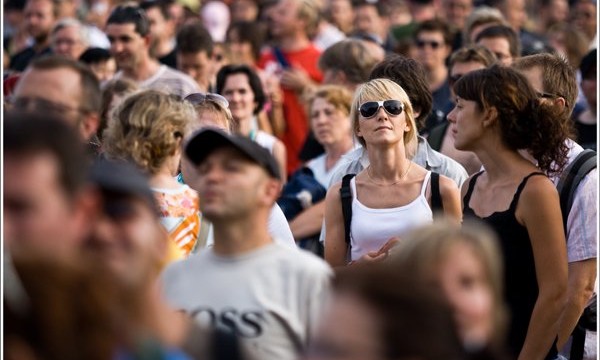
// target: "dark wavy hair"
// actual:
[[525, 123], [253, 81]]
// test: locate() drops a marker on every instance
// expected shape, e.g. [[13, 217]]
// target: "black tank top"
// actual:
[[520, 281]]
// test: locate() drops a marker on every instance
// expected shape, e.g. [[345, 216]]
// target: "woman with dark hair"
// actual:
[[498, 113], [242, 88]]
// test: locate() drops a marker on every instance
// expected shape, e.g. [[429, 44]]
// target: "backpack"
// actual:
[[568, 183], [570, 179], [346, 198]]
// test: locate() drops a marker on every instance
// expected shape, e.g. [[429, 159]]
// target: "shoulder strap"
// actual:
[[346, 197], [467, 197], [436, 196], [436, 136], [572, 176], [515, 200]]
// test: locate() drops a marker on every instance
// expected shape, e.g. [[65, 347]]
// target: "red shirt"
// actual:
[[297, 124]]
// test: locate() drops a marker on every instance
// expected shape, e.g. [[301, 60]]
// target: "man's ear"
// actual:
[[89, 125], [560, 101], [272, 190]]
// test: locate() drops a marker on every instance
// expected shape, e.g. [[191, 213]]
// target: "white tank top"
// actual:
[[265, 140], [372, 228]]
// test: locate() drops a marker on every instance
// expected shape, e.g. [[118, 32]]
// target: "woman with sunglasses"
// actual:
[[393, 194], [497, 113], [242, 88]]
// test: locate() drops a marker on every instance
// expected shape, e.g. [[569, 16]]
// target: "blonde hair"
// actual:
[[223, 113], [147, 128], [338, 96], [425, 247], [384, 89]]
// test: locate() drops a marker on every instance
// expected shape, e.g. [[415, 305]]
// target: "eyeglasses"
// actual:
[[200, 98], [370, 108], [43, 105], [434, 44]]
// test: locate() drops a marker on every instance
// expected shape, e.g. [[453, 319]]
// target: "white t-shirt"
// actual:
[[278, 227], [270, 297]]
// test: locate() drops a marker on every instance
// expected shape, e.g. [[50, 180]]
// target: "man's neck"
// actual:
[[294, 42], [436, 78], [239, 236], [41, 44], [145, 70], [164, 47]]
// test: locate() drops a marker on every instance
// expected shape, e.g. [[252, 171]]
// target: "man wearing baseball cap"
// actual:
[[260, 291]]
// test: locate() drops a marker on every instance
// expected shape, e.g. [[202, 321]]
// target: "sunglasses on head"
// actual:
[[370, 108], [434, 44], [199, 98]]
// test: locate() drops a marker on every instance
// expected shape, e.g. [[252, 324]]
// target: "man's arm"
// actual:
[[309, 221], [580, 287]]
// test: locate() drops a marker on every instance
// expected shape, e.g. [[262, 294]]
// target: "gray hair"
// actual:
[[71, 22]]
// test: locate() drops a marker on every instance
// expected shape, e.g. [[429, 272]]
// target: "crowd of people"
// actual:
[[300, 179]]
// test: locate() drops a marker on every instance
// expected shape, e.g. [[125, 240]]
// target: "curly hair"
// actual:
[[147, 127], [524, 122]]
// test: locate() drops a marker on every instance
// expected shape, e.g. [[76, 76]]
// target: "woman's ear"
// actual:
[[490, 116]]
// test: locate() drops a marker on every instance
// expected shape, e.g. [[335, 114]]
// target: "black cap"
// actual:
[[121, 177], [205, 141]]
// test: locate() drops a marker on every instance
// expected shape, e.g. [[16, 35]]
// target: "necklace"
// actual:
[[394, 183]]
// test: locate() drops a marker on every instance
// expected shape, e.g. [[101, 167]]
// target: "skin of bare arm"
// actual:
[[539, 212]]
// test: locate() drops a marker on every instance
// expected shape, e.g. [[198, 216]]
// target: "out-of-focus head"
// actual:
[[148, 128], [411, 76], [128, 30], [568, 41], [371, 18], [162, 26], [585, 17], [464, 263], [237, 178], [390, 318], [245, 40], [329, 113], [212, 110], [40, 16], [479, 19], [195, 52], [290, 17], [69, 38], [128, 239], [503, 41], [244, 10], [101, 63], [468, 59], [433, 39], [348, 62], [385, 89], [45, 205], [64, 87], [243, 89], [457, 11]]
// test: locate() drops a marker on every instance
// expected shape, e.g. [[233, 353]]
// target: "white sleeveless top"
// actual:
[[265, 140], [372, 228]]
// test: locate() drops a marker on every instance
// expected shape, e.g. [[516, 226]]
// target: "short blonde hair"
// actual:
[[223, 113], [338, 96], [147, 127], [384, 89], [426, 247]]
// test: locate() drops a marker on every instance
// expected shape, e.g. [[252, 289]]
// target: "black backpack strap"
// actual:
[[436, 196], [572, 176], [346, 197]]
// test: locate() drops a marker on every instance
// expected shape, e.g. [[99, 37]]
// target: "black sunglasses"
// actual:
[[370, 108], [434, 44], [199, 98]]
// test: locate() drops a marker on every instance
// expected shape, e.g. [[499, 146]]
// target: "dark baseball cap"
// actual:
[[123, 178], [205, 141]]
